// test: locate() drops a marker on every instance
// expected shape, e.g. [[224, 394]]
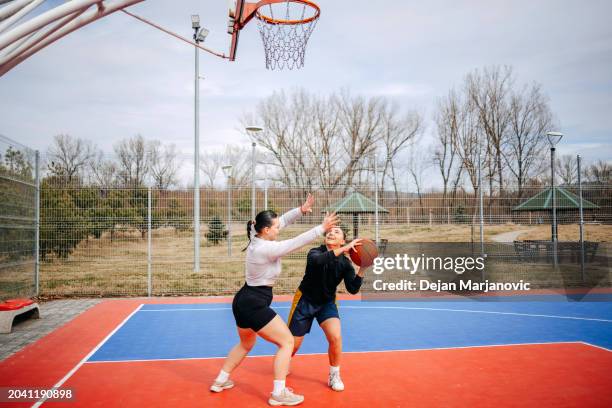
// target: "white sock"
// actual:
[[222, 377], [333, 369], [279, 386]]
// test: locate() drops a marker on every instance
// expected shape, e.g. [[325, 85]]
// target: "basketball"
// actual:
[[364, 254]]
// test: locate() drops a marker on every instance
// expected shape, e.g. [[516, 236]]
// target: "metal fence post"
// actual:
[[480, 205], [376, 199], [37, 226], [149, 255], [253, 182], [481, 211], [581, 222]]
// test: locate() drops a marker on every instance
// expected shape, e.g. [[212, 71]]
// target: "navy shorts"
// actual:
[[303, 313]]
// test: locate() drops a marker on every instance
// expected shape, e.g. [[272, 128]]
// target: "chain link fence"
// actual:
[[18, 218], [140, 241], [109, 241]]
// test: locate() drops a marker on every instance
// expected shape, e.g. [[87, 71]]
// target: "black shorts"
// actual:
[[303, 312], [251, 307]]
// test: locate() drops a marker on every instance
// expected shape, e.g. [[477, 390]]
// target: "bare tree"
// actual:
[[489, 90], [397, 133], [446, 158], [239, 157], [210, 164], [468, 142], [318, 140], [530, 119], [566, 167], [416, 165], [103, 170], [133, 163], [68, 157], [600, 172], [163, 164], [361, 127]]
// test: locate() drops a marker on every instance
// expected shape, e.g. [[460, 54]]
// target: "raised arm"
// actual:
[[291, 216], [276, 249]]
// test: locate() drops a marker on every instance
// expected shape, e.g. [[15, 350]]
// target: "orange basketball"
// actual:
[[364, 254]]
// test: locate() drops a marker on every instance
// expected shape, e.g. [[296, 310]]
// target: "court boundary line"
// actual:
[[353, 352], [596, 346], [84, 359], [407, 308]]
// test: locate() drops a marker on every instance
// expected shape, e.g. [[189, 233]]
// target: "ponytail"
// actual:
[[264, 219], [250, 224]]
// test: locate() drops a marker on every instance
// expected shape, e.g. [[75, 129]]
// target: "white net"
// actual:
[[285, 29]]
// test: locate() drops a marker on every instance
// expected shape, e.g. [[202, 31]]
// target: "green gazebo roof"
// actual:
[[354, 203], [564, 201]]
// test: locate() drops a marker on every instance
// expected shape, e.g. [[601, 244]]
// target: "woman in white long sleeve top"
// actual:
[[251, 305]]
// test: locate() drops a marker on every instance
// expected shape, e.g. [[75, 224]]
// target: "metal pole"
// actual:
[[149, 253], [554, 205], [480, 203], [481, 210], [229, 216], [253, 182], [376, 199], [265, 186], [37, 226], [581, 222], [196, 167]]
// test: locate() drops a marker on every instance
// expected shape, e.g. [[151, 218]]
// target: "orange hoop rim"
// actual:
[[275, 21]]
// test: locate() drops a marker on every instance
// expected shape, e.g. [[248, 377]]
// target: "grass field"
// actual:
[[119, 267]]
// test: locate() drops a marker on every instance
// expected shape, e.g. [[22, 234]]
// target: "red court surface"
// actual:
[[546, 375]]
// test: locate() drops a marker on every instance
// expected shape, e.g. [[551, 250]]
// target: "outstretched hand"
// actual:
[[351, 245], [330, 221], [307, 206]]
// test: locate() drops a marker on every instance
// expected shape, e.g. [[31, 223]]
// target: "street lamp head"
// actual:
[[554, 138], [195, 21], [202, 35], [254, 129], [227, 170]]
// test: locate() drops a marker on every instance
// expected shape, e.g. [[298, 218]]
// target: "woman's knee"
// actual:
[[334, 338], [286, 341], [247, 344]]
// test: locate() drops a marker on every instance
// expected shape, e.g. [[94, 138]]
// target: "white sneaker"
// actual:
[[219, 386], [335, 382], [286, 397]]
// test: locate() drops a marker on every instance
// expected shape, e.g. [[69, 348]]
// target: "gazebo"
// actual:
[[355, 203], [565, 200]]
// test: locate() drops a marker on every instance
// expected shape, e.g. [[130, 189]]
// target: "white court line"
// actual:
[[75, 368], [593, 345], [347, 352], [412, 308], [479, 311], [189, 310]]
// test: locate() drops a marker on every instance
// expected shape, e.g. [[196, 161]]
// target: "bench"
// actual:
[[14, 307]]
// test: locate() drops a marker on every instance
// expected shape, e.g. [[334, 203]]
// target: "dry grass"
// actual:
[[119, 267], [592, 232]]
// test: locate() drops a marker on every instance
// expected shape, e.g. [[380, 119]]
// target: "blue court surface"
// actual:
[[188, 331]]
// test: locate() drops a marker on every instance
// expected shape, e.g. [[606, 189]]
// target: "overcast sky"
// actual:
[[118, 77]]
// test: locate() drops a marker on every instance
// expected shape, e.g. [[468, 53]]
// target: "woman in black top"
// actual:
[[326, 267]]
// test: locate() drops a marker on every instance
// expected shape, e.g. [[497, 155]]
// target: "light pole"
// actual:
[[553, 139], [251, 131], [265, 180], [227, 171], [199, 35]]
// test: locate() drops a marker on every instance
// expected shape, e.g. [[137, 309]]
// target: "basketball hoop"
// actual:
[[285, 27]]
